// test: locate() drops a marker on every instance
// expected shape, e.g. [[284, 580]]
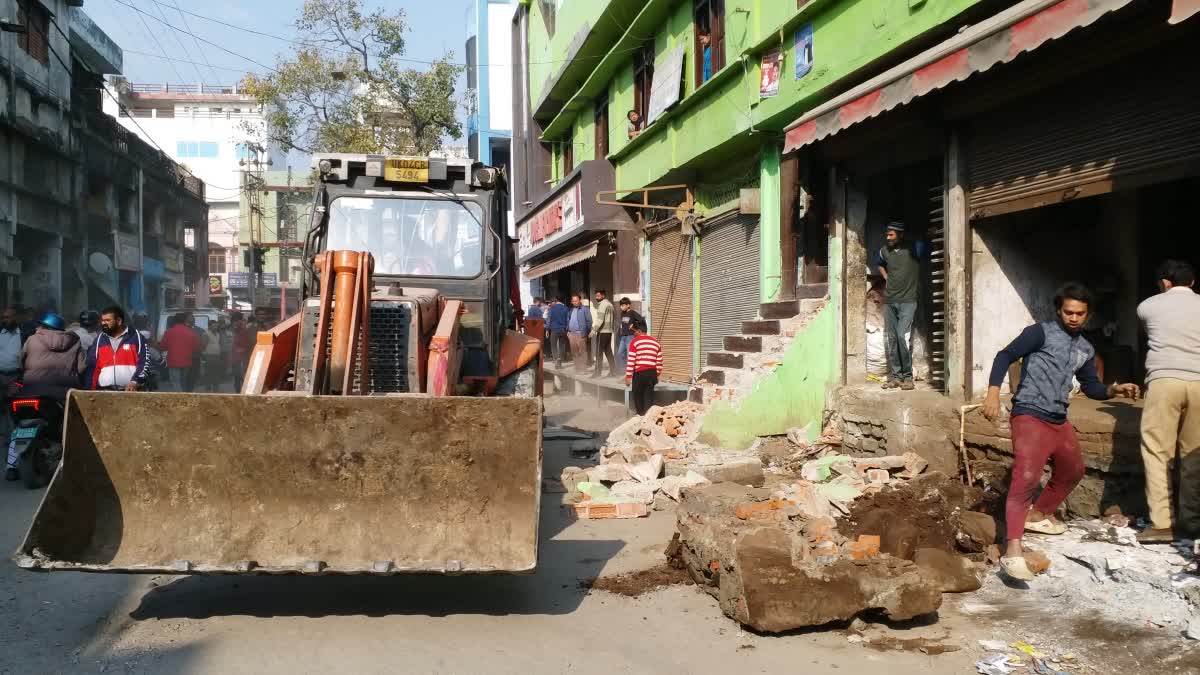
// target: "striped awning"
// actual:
[[578, 255], [999, 39]]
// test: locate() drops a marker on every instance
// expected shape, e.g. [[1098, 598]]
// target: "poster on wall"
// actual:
[[772, 61], [804, 50], [214, 285]]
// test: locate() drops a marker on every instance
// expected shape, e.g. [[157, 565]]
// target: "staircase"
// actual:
[[759, 348]]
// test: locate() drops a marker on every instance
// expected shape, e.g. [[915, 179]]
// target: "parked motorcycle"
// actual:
[[36, 439]]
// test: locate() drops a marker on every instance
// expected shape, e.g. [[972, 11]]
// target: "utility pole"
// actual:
[[252, 189]]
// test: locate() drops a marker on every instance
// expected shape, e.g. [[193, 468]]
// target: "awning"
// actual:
[[578, 255], [999, 39]]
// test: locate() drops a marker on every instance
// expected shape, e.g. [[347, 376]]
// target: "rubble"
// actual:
[[778, 574]]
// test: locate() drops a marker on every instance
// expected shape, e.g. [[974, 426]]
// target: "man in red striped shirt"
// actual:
[[643, 366]]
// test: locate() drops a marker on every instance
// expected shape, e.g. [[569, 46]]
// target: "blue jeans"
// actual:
[[623, 352], [898, 320]]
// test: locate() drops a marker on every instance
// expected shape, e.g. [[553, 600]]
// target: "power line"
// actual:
[[200, 49], [154, 37], [205, 41], [179, 42], [167, 58], [408, 60]]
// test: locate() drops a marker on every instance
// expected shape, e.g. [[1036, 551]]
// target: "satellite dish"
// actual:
[[99, 263]]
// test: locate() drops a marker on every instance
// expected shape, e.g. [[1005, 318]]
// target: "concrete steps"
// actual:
[[758, 349]]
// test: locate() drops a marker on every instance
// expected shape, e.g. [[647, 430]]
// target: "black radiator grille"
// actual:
[[391, 325]]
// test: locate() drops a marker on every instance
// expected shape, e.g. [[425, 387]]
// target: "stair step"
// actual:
[[779, 310], [812, 291], [726, 360], [761, 327], [743, 343], [713, 376]]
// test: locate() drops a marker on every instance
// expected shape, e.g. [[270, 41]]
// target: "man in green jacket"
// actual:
[[602, 333], [900, 264]]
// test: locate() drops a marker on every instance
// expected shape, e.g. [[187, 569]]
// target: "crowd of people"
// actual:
[[109, 350], [587, 334]]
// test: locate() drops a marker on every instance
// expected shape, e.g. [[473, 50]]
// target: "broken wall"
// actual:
[[794, 394]]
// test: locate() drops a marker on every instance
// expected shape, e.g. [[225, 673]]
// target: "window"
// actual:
[[643, 80], [601, 120], [201, 149], [410, 237], [216, 261], [710, 39], [244, 152], [568, 153], [35, 41]]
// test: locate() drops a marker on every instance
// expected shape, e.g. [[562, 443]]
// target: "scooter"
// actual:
[[36, 439]]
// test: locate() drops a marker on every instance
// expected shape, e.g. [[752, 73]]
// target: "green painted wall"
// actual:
[[726, 117], [546, 52], [769, 276], [794, 394]]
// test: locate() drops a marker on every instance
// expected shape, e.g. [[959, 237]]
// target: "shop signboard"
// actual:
[[128, 252], [264, 280], [553, 221]]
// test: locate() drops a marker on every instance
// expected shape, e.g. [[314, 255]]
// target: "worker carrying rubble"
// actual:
[[1054, 352]]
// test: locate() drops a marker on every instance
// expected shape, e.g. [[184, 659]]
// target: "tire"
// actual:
[[521, 384], [32, 465]]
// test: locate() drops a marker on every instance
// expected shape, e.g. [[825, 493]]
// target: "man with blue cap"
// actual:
[[900, 266]]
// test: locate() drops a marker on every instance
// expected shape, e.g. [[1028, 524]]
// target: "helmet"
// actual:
[[52, 320], [89, 317]]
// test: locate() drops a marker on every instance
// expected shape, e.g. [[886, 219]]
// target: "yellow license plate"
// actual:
[[407, 170]]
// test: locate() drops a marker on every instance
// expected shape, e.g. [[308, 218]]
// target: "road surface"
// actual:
[[544, 623]]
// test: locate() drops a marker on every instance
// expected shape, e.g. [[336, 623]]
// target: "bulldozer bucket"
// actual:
[[216, 483]]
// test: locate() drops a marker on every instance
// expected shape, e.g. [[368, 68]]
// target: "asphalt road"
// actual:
[[543, 623]]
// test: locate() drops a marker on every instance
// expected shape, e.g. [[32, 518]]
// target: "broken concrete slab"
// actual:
[[974, 531], [952, 573], [720, 467], [771, 577]]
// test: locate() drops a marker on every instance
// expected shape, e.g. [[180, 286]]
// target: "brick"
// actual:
[[590, 511], [761, 327], [805, 291], [878, 476], [725, 360], [779, 310], [871, 543], [743, 343], [1037, 561]]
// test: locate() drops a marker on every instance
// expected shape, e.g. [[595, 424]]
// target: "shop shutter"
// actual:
[[729, 265], [671, 302], [1090, 137]]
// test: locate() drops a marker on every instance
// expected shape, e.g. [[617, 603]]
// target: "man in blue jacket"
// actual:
[[1054, 353], [579, 327], [556, 324]]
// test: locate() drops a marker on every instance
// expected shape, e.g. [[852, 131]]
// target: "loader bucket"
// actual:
[[216, 483]]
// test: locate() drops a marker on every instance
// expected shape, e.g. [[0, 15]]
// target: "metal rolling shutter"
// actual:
[[1088, 138], [729, 265], [671, 297]]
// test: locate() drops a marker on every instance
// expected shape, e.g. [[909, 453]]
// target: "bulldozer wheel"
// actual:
[[521, 384]]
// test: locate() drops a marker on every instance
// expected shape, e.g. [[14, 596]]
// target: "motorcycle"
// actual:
[[36, 439]]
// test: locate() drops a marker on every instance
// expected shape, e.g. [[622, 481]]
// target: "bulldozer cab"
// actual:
[[429, 223]]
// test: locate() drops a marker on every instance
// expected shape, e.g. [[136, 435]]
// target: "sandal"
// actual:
[[1046, 526], [1017, 568]]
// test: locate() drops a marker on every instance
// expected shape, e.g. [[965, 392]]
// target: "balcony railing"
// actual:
[[184, 89]]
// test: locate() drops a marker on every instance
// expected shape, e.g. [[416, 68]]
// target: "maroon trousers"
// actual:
[[1034, 443]]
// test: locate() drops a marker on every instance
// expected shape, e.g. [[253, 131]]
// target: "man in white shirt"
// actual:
[[1171, 417]]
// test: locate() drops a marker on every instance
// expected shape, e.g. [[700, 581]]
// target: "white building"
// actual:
[[211, 130]]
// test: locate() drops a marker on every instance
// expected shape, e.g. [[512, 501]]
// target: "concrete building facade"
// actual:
[[92, 215]]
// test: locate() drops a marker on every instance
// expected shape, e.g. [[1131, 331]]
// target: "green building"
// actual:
[[775, 139], [274, 214]]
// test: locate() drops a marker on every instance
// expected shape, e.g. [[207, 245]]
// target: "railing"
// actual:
[[183, 89], [169, 113]]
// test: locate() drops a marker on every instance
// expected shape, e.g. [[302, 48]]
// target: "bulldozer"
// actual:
[[392, 425]]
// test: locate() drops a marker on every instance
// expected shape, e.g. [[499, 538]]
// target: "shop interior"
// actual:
[[1111, 242]]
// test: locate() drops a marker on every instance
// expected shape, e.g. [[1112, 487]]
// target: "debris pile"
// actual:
[[851, 534], [650, 458]]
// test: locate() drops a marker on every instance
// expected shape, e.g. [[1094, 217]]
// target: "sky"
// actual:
[[435, 27]]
